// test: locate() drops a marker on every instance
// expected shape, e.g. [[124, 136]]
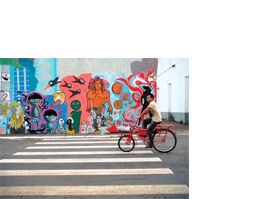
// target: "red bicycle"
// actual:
[[164, 137]]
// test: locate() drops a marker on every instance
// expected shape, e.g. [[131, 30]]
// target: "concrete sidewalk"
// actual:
[[179, 128]]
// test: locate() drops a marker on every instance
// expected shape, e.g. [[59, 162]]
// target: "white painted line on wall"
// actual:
[[18, 79], [77, 147], [86, 142], [93, 190], [84, 153], [148, 171], [25, 79], [81, 160]]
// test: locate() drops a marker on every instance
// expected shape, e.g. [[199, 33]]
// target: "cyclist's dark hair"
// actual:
[[151, 95]]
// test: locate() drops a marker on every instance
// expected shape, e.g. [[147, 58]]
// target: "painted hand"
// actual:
[[110, 110]]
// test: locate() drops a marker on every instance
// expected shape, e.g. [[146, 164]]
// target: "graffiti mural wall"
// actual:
[[34, 99]]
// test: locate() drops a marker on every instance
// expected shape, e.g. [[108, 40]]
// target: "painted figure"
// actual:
[[98, 121], [70, 129], [27, 126], [109, 119], [50, 116], [17, 119], [98, 95], [52, 83], [60, 130], [3, 103], [90, 129], [76, 114], [35, 114], [59, 98], [84, 127], [144, 102], [3, 125]]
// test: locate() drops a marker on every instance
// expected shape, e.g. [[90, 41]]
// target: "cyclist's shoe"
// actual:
[[149, 146]]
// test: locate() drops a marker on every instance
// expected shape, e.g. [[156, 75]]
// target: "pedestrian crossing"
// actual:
[[98, 155], [82, 153]]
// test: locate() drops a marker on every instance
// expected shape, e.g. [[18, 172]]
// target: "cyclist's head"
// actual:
[[150, 97]]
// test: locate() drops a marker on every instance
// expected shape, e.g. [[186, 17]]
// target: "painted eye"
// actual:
[[62, 95]]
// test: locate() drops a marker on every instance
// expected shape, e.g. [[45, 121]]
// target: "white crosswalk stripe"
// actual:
[[84, 153], [99, 146], [86, 142], [147, 171], [94, 190], [79, 147], [80, 160]]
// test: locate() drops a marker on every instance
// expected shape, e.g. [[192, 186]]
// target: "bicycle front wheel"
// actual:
[[126, 144], [164, 141]]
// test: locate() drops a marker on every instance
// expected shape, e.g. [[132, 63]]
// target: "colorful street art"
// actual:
[[88, 103]]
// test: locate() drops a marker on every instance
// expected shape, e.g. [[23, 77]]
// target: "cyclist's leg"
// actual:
[[146, 122], [150, 130]]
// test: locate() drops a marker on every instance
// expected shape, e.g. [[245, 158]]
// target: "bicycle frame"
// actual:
[[134, 128]]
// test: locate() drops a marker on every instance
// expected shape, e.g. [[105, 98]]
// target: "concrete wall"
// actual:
[[77, 66], [173, 88]]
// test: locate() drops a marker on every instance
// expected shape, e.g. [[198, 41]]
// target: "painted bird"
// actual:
[[80, 81], [6, 78], [67, 85], [59, 98], [52, 83], [78, 91]]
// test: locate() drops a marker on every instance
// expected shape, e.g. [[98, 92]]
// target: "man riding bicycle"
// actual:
[[155, 120]]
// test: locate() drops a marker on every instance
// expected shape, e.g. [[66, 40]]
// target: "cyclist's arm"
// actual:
[[146, 111]]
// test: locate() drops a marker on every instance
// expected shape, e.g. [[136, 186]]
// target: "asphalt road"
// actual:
[[177, 161]]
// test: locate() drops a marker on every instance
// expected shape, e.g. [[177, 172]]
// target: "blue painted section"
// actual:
[[42, 83], [29, 65]]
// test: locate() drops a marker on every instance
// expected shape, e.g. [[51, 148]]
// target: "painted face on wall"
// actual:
[[51, 118], [15, 109], [93, 114], [90, 119], [50, 115], [84, 126], [98, 85], [98, 120], [35, 101], [61, 122], [75, 105], [108, 121], [2, 95]]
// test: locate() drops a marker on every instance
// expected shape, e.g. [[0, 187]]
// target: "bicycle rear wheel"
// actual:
[[164, 143], [126, 144]]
